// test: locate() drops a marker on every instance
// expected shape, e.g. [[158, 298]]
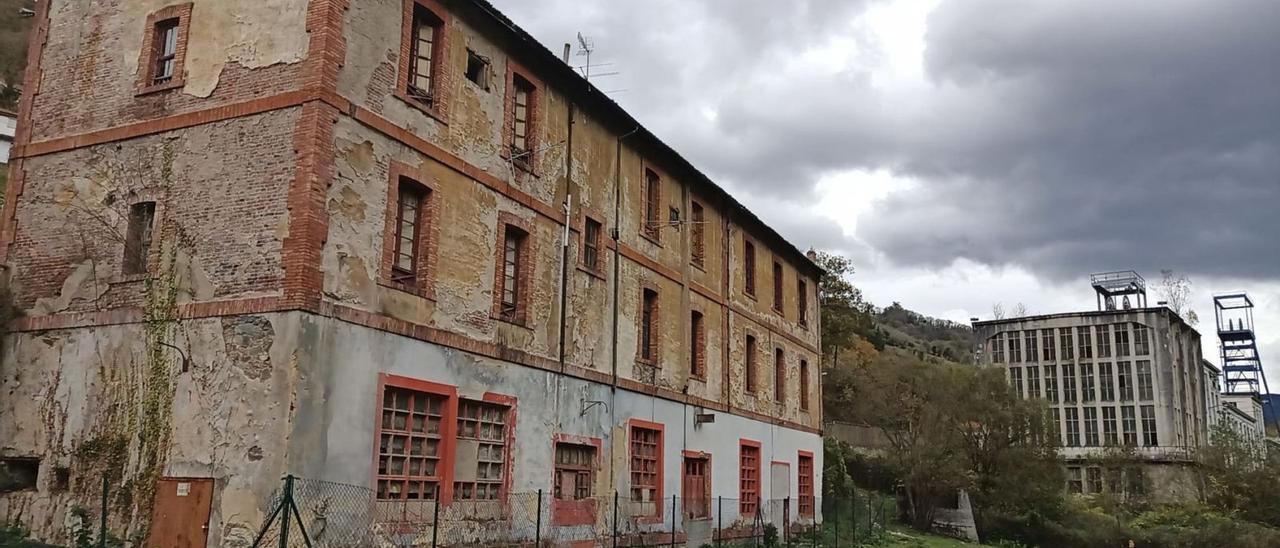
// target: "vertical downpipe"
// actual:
[[617, 272]]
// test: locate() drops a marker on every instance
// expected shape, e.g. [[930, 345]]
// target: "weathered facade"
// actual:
[[250, 238], [1121, 385]]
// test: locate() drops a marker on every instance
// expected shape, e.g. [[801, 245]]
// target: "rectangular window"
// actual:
[[698, 235], [1015, 348], [1075, 479], [646, 469], [748, 479], [697, 487], [1073, 427], [138, 236], [409, 212], [409, 445], [652, 204], [1086, 343], [1033, 382], [478, 69], [997, 348], [1110, 435], [1142, 339], [779, 376], [513, 244], [1015, 379], [1056, 417], [1104, 341], [1050, 352], [591, 231], [1091, 427], [574, 471], [1066, 343], [482, 431], [649, 326], [1122, 340], [805, 484], [751, 364], [1125, 380], [1149, 438], [1094, 476], [1145, 388], [1107, 381], [166, 51], [1115, 480], [422, 65], [1068, 383], [804, 385], [802, 303], [1030, 337], [1130, 424], [777, 286], [697, 345], [749, 267], [522, 120], [1051, 383], [1086, 382]]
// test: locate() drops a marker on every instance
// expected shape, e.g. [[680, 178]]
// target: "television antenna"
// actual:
[[587, 46]]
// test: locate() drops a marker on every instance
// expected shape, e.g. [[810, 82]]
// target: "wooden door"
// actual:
[[181, 515], [697, 492]]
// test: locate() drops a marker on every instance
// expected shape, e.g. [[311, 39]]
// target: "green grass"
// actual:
[[910, 538]]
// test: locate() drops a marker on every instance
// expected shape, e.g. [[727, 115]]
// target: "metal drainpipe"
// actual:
[[568, 221], [617, 271]]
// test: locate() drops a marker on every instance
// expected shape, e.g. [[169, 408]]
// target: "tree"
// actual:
[[1175, 290], [997, 311], [1019, 310], [1240, 477], [844, 312]]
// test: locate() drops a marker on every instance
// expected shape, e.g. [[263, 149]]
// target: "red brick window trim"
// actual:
[[423, 73], [698, 235], [748, 477], [411, 235], [802, 302], [696, 485], [161, 64], [414, 432], [522, 119], [750, 365], [804, 385], [804, 482], [697, 345], [779, 376], [648, 347], [651, 205], [749, 267], [645, 446], [513, 270], [576, 461]]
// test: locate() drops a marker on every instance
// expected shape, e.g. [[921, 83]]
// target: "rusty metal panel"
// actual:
[[180, 518]]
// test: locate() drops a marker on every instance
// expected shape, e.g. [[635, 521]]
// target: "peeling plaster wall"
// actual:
[[230, 415], [223, 186], [237, 50]]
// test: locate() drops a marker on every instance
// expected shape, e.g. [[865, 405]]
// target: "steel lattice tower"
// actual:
[[1241, 365]]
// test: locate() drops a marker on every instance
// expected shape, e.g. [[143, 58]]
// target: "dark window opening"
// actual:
[[478, 70], [697, 345], [648, 325], [575, 469], [749, 267], [422, 44], [409, 208], [802, 303], [591, 230], [166, 51], [18, 473], [512, 256], [751, 364], [779, 376], [652, 205], [137, 244], [698, 234], [777, 286]]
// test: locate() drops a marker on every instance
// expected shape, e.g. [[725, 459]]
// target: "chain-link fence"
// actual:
[[309, 513]]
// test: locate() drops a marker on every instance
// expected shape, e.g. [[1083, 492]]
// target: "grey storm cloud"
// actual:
[[1063, 136]]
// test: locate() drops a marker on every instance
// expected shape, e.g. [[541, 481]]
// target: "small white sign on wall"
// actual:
[[184, 488]]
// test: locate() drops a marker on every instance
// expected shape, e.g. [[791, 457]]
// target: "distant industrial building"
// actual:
[[1123, 384]]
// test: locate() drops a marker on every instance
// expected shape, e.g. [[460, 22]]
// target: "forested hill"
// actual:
[[899, 327]]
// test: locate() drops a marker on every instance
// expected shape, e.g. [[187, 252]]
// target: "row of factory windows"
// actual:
[[1034, 345]]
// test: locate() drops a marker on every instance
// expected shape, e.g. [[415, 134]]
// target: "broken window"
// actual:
[[648, 326], [575, 469], [1030, 337], [591, 230], [478, 70], [1145, 389], [1086, 343], [698, 234], [410, 208], [1149, 437], [137, 243], [802, 303], [1075, 479], [1048, 341], [1104, 341], [1086, 382], [697, 487], [697, 345], [513, 251], [779, 376], [997, 348], [422, 65], [1130, 424], [522, 117], [1066, 340], [165, 50], [1122, 340], [1142, 337], [1125, 370], [749, 267], [652, 204], [1068, 383], [482, 439], [751, 364], [646, 471], [409, 445], [804, 385], [749, 478]]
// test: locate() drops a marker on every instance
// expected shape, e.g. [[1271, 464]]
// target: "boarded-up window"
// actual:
[[409, 445], [749, 267], [422, 45], [697, 486], [649, 326], [646, 475], [409, 221], [698, 235], [751, 364], [749, 479], [697, 345], [137, 243], [481, 450], [575, 469]]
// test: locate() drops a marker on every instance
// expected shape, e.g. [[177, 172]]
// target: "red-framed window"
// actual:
[[646, 466], [576, 463], [748, 477], [411, 444], [696, 485], [164, 51], [805, 482], [482, 429]]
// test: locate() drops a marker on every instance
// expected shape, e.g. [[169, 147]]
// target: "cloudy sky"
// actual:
[[966, 152]]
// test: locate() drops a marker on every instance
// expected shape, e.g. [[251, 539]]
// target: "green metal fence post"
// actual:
[[673, 521], [285, 502], [615, 518], [537, 522], [719, 520], [435, 521]]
